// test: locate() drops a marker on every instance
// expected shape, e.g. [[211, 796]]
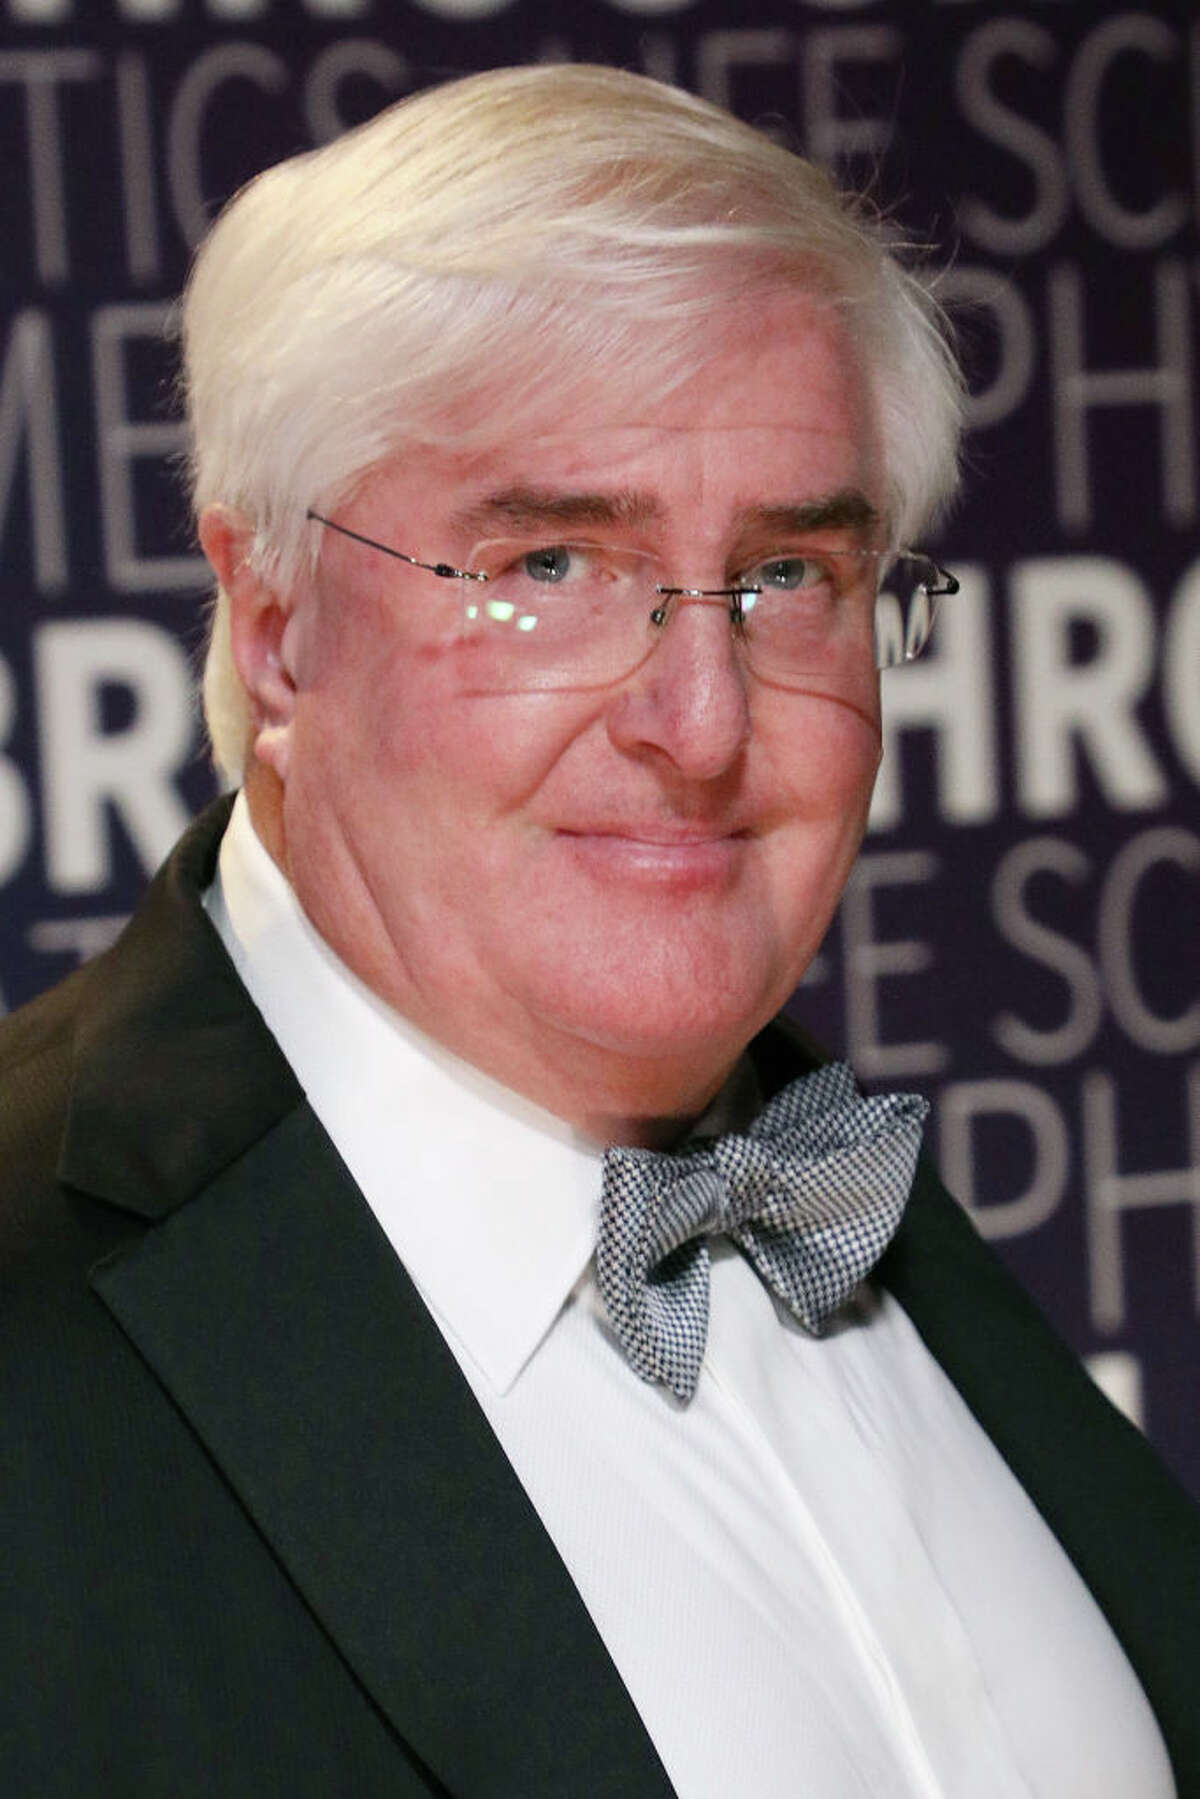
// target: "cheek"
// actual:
[[370, 692], [405, 736], [832, 756], [856, 764], [831, 776]]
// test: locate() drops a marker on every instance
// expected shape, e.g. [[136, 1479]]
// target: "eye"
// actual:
[[784, 574], [549, 565]]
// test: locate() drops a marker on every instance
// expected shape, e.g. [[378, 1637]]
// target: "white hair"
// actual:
[[514, 237]]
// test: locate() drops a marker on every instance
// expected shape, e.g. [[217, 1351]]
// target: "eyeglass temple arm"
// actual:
[[446, 570], [947, 583]]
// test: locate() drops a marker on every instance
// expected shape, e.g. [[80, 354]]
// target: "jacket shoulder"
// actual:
[[50, 1050]]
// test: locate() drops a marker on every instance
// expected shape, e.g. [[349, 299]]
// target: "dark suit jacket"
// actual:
[[256, 1537]]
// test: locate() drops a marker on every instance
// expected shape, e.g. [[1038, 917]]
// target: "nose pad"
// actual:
[[689, 698]]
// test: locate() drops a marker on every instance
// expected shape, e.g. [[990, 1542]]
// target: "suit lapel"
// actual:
[[175, 1074], [271, 1308]]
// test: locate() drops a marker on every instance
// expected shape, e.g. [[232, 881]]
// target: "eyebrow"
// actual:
[[530, 508], [846, 510]]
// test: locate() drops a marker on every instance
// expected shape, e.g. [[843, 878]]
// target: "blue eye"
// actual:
[[550, 565], [784, 573]]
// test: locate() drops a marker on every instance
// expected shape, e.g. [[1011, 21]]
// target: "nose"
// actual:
[[688, 701]]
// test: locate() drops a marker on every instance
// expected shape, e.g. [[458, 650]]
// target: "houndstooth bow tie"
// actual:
[[811, 1194]]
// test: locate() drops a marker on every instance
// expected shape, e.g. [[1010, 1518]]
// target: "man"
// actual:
[[552, 436]]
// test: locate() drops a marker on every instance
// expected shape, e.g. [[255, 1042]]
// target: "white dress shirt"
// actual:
[[818, 1579]]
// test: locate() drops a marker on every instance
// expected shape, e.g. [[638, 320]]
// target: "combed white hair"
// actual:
[[488, 248]]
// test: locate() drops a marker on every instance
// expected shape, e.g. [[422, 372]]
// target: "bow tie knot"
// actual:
[[811, 1194]]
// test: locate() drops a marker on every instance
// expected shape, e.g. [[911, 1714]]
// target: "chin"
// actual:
[[654, 1018]]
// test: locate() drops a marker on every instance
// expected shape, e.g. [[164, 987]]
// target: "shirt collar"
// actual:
[[490, 1202]]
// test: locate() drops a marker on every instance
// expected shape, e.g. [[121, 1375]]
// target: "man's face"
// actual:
[[627, 880]]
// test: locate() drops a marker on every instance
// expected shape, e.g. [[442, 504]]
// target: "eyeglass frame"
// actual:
[[447, 571]]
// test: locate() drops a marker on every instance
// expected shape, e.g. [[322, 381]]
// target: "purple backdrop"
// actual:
[[1020, 939]]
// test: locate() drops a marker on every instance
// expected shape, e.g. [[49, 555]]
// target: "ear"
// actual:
[[262, 632]]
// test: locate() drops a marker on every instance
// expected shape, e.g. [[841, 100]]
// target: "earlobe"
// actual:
[[262, 629]]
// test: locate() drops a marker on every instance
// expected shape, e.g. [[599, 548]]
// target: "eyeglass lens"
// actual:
[[578, 613]]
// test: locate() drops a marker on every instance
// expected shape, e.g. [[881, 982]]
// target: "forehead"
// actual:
[[775, 410]]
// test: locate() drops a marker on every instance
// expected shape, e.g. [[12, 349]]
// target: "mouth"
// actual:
[[683, 857], [664, 836]]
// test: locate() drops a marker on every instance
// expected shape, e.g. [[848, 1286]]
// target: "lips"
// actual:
[[683, 860], [658, 835]]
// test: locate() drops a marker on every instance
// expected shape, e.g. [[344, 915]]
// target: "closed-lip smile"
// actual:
[[684, 858], [659, 835]]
